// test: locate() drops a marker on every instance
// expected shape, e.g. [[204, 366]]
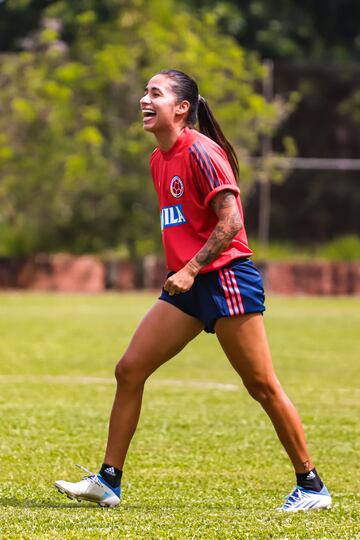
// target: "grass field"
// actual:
[[205, 462]]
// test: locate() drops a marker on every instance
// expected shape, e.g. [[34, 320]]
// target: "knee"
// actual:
[[127, 374], [262, 390]]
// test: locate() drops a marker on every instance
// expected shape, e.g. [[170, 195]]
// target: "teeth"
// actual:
[[148, 112]]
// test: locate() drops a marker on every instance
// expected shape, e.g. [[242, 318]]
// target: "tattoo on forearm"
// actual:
[[219, 239], [228, 226]]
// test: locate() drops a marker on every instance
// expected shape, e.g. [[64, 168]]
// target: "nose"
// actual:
[[145, 100]]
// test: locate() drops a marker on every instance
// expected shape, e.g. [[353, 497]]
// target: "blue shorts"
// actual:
[[235, 289]]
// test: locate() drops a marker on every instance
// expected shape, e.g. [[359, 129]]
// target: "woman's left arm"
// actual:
[[229, 224]]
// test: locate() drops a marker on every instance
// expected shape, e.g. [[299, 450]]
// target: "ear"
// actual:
[[183, 107]]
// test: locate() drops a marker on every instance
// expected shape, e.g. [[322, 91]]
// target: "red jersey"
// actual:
[[186, 179]]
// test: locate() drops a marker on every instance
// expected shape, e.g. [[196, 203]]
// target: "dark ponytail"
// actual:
[[186, 88], [211, 128]]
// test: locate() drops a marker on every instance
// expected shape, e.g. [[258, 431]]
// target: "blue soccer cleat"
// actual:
[[91, 488], [304, 499]]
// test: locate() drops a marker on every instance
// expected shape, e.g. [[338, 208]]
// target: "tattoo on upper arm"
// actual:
[[223, 199]]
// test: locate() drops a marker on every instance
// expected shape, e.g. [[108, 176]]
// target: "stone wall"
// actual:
[[70, 273]]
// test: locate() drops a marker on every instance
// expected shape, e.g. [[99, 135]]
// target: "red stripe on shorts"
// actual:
[[226, 291], [237, 291], [231, 291]]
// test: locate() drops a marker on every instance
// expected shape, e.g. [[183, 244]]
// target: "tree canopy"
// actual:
[[73, 154], [325, 30]]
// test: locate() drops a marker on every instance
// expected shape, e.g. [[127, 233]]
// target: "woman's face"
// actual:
[[160, 107]]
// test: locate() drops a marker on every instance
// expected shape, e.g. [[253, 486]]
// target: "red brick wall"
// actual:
[[69, 273], [60, 272], [312, 278]]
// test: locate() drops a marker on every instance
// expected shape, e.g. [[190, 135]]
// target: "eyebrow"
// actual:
[[153, 88]]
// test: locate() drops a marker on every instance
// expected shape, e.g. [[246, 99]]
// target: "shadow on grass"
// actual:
[[28, 503], [144, 507]]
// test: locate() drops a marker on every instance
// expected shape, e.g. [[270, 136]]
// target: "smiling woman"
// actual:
[[212, 285], [160, 112]]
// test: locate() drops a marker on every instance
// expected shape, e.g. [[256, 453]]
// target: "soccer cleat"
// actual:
[[304, 499], [91, 488]]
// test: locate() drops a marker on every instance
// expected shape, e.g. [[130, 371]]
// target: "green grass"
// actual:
[[205, 462]]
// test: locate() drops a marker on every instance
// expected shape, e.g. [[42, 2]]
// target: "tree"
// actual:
[[325, 30], [73, 153]]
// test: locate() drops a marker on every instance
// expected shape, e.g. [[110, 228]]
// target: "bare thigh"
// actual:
[[163, 333], [244, 342]]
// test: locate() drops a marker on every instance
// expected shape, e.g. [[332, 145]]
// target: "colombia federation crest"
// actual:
[[176, 187]]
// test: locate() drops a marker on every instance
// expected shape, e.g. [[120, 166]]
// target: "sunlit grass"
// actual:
[[205, 462]]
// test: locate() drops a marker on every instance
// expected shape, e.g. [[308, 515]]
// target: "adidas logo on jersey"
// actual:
[[172, 215]]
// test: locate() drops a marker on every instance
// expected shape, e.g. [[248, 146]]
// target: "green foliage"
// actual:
[[351, 107], [289, 29], [344, 248], [73, 153], [278, 251]]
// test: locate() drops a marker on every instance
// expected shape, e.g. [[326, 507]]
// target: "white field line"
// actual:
[[80, 379]]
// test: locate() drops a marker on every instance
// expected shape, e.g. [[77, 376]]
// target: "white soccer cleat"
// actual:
[[304, 499], [92, 488]]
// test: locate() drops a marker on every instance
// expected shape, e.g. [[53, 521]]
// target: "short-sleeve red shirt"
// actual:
[[186, 178]]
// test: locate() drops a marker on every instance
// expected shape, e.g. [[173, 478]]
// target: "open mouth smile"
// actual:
[[148, 113]]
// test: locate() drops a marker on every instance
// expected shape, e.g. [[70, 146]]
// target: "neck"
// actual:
[[167, 139]]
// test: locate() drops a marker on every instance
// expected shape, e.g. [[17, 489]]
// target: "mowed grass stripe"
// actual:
[[205, 462]]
